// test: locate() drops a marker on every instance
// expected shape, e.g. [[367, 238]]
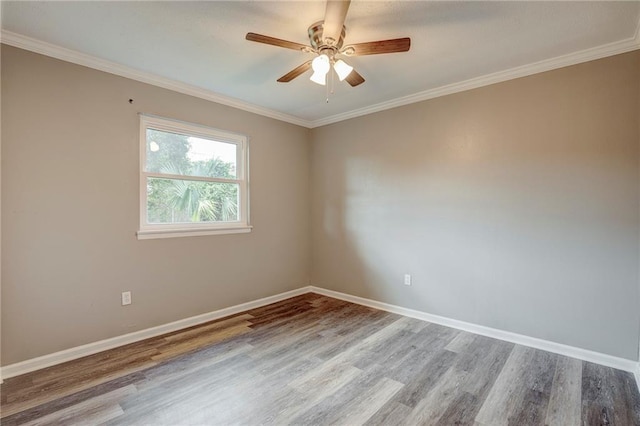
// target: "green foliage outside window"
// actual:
[[183, 200]]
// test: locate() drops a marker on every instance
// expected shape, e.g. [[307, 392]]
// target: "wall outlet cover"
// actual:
[[126, 298]]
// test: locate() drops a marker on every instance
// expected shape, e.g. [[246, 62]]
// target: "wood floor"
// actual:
[[315, 360]]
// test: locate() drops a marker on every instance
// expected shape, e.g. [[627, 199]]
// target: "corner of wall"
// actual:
[[1, 5]]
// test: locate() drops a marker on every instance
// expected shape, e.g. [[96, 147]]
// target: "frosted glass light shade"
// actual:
[[342, 69], [319, 78], [320, 66]]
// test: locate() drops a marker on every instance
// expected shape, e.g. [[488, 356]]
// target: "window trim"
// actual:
[[171, 230]]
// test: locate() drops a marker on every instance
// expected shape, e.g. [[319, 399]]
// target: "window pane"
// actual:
[[188, 201], [178, 154]]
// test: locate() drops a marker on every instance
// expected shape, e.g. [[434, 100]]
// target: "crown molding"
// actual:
[[54, 51], [615, 48], [68, 55]]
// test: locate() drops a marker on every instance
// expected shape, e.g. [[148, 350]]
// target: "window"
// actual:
[[193, 180]]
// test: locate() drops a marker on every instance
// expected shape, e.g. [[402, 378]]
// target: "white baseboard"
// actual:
[[44, 361], [38, 363], [545, 345]]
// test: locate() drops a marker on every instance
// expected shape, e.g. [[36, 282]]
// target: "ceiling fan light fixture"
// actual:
[[321, 67], [326, 39], [342, 69]]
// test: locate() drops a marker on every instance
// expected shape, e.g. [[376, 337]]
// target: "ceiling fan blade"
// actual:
[[383, 46], [354, 78], [334, 16], [295, 72], [259, 38]]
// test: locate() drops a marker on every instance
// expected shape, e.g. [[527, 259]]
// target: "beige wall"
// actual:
[[514, 206], [70, 211]]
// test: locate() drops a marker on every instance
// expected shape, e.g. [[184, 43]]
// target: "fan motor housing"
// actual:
[[319, 43]]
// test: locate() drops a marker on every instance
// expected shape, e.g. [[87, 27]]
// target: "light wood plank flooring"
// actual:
[[315, 360]]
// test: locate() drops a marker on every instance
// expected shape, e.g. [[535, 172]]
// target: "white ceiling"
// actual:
[[455, 45]]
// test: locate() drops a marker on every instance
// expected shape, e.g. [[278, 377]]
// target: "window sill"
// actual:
[[150, 234]]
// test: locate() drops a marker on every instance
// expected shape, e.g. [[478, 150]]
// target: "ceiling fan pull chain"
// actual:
[[327, 88], [332, 79], [329, 84]]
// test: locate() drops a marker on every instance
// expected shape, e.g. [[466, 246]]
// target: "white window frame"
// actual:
[[169, 230]]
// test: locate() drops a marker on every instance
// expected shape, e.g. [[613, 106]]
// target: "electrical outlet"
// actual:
[[407, 279], [126, 298]]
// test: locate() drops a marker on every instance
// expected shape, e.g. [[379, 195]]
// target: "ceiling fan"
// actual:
[[327, 42]]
